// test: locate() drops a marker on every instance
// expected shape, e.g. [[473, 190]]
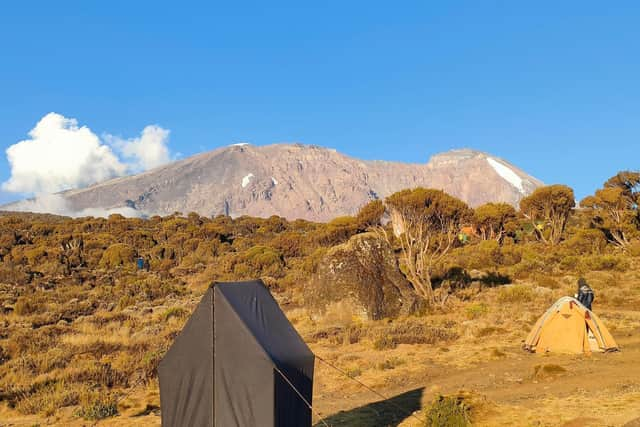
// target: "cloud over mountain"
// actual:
[[147, 151], [60, 154]]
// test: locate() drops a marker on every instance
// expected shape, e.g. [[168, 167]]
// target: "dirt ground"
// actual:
[[496, 377], [597, 390]]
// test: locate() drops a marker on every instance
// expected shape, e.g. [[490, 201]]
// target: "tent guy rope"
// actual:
[[385, 398], [301, 396]]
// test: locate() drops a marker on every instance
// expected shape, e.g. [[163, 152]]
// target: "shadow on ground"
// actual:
[[385, 413]]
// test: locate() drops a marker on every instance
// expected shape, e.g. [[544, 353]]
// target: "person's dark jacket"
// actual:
[[585, 295]]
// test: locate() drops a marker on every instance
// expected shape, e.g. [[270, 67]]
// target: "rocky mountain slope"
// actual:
[[300, 181]]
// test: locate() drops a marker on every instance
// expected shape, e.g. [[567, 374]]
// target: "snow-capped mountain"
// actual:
[[299, 181]]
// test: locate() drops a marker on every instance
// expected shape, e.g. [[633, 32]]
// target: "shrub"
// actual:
[[384, 342], [410, 332], [354, 371], [585, 241], [606, 262], [389, 364], [117, 255], [515, 293], [547, 282], [47, 399], [449, 412], [339, 230], [370, 214], [477, 310], [260, 261], [97, 406], [125, 301], [177, 312]]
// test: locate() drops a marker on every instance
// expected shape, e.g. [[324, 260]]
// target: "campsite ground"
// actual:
[[471, 349]]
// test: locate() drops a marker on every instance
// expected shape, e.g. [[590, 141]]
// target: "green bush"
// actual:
[[96, 406], [260, 261], [477, 310], [117, 255], [448, 412]]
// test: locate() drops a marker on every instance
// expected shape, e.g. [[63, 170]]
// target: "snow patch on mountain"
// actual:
[[246, 180], [507, 173]]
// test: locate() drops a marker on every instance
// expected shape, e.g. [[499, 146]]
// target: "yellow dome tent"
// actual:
[[569, 327]]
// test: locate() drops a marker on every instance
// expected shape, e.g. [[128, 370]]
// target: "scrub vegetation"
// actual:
[[88, 306]]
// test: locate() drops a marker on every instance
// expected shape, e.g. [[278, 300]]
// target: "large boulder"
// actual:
[[364, 273]]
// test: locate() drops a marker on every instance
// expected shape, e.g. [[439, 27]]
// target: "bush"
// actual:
[[606, 262], [97, 406], [585, 241], [515, 293], [260, 261], [354, 371], [48, 399], [410, 332], [385, 342], [477, 310], [177, 312], [337, 231], [448, 412], [117, 255], [547, 282], [389, 364]]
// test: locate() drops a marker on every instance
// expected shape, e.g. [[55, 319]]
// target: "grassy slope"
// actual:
[[485, 361], [81, 343]]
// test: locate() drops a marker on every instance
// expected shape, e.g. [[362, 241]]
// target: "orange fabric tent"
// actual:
[[569, 327]]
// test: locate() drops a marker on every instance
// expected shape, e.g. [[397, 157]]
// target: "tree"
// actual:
[[614, 208], [493, 220], [426, 222], [549, 207], [370, 215]]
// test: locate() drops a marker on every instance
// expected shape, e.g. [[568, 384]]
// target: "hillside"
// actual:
[[82, 328], [299, 181]]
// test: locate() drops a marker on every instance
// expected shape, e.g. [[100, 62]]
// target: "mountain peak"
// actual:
[[299, 181]]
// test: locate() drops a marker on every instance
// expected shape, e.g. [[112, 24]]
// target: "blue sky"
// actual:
[[550, 86]]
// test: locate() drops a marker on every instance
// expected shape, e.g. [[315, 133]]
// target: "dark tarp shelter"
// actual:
[[226, 367]]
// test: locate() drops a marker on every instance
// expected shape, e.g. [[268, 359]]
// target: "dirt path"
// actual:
[[598, 390]]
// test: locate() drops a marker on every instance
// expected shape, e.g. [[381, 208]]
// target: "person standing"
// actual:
[[585, 293]]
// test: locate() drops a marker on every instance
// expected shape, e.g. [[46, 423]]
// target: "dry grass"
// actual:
[[68, 351]]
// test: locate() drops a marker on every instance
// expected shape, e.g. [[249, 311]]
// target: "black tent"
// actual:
[[237, 362]]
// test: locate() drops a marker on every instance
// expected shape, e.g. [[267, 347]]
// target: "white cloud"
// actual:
[[60, 155], [57, 204], [147, 151]]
